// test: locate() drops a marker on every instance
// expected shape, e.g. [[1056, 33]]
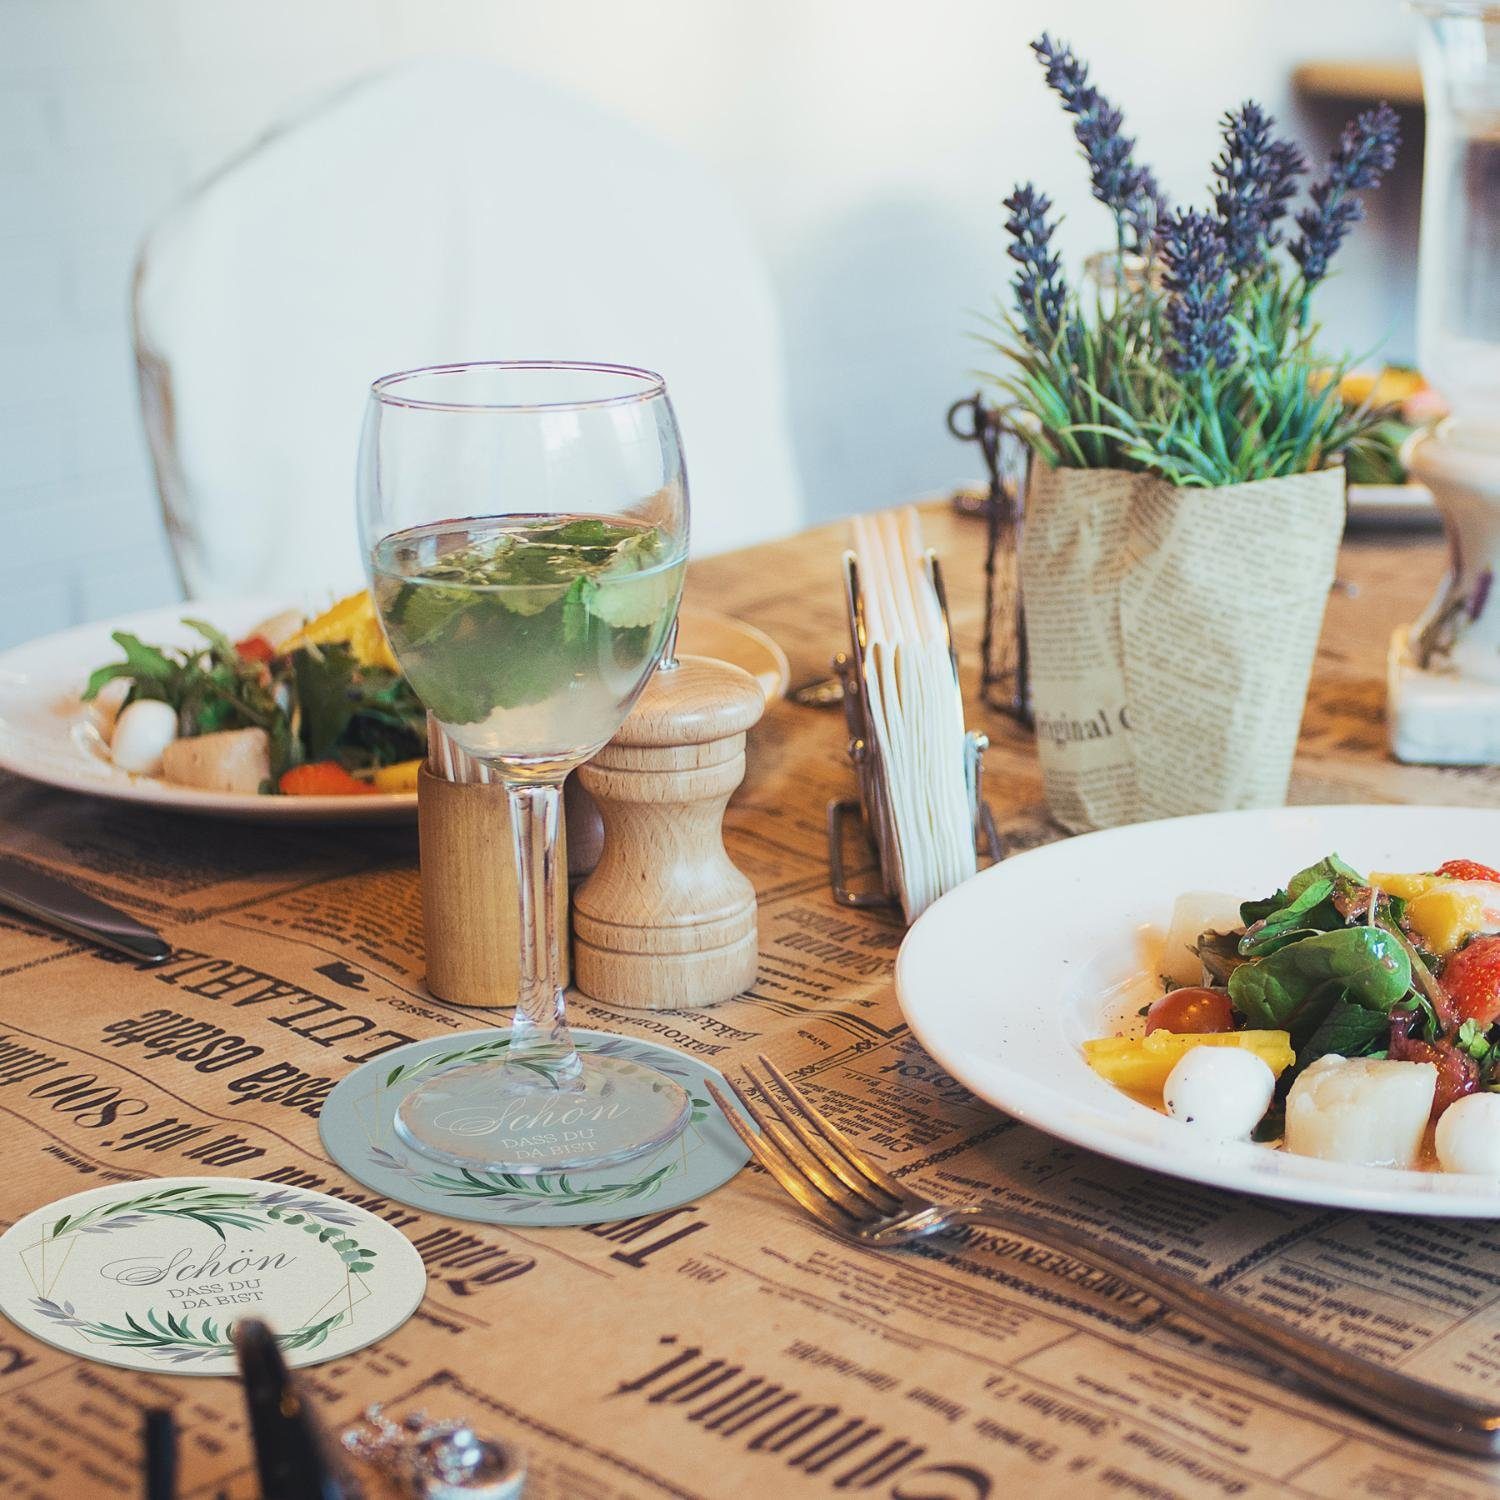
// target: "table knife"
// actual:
[[62, 905]]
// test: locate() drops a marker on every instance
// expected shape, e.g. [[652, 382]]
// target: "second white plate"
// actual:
[[47, 734], [1005, 977]]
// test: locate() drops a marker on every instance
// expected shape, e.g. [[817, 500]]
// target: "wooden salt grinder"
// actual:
[[665, 921]]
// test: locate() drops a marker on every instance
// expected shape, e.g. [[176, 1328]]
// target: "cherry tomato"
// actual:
[[1194, 1009]]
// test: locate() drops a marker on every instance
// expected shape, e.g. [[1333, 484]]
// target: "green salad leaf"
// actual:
[[1348, 1030], [1331, 868], [1301, 915], [315, 703], [1296, 987], [324, 678], [145, 665]]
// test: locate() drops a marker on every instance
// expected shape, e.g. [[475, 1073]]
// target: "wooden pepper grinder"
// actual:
[[665, 921]]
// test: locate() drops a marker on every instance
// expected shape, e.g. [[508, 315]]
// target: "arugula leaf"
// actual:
[[221, 645], [1295, 987], [1252, 912], [1348, 1030], [1471, 1037], [142, 662], [1295, 919]]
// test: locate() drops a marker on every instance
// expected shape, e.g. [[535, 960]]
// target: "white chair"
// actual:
[[449, 210]]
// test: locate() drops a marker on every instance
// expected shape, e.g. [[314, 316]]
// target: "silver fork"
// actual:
[[849, 1194]]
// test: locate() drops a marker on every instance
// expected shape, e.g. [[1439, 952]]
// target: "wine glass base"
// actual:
[[489, 1117]]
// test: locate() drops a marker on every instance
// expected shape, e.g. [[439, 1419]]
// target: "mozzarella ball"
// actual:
[[1468, 1135], [144, 729], [1195, 913], [1367, 1111], [1222, 1091]]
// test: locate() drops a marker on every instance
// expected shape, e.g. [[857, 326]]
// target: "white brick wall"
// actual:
[[870, 140]]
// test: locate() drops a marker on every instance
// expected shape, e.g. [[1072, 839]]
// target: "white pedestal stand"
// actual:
[[1443, 673]]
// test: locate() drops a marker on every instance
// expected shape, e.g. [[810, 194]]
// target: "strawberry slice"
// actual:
[[1467, 869], [257, 648], [1472, 980]]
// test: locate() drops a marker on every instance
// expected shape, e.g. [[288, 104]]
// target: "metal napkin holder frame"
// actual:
[[873, 806]]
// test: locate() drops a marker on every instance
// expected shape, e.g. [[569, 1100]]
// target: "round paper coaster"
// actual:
[[358, 1130], [153, 1275]]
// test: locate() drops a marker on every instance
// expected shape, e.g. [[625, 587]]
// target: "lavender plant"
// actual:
[[1195, 357], [1128, 190]]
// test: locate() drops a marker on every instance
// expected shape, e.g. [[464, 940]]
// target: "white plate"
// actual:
[[1005, 977], [48, 734]]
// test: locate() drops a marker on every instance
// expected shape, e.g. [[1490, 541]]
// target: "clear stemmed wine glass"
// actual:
[[526, 529]]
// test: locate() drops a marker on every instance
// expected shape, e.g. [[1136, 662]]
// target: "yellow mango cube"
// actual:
[[1443, 919], [353, 621], [1407, 887], [400, 777]]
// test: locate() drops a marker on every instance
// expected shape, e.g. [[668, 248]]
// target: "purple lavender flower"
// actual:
[[1366, 152], [1196, 274], [1128, 190], [1255, 177], [1039, 286]]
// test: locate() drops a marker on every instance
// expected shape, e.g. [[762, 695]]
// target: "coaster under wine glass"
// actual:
[[152, 1275], [358, 1126]]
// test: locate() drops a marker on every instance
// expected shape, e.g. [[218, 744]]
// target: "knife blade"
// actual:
[[61, 905]]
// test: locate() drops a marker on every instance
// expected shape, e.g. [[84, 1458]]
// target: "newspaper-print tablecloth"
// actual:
[[727, 1347]]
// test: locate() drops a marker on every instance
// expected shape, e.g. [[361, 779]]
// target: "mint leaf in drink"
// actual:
[[575, 610], [535, 630], [589, 531]]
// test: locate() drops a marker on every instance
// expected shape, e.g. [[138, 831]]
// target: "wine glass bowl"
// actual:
[[525, 528]]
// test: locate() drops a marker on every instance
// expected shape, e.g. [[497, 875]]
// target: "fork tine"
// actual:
[[826, 1212], [841, 1144], [828, 1158], [802, 1161]]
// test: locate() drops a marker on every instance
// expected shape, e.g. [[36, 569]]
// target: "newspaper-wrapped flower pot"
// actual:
[[1171, 634]]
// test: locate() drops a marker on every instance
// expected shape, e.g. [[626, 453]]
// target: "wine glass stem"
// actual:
[[539, 1030]]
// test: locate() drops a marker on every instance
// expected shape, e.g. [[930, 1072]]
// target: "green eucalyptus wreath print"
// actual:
[[169, 1335], [509, 1189]]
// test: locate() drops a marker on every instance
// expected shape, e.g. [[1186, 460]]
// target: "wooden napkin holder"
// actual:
[[470, 911], [873, 805]]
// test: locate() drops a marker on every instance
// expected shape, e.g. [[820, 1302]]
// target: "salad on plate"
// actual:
[[1345, 1016], [294, 708]]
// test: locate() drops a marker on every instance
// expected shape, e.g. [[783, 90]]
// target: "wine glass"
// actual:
[[526, 527]]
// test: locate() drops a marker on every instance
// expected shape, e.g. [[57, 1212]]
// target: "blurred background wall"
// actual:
[[869, 142]]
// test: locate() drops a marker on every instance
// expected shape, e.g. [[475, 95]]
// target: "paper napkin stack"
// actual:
[[915, 711]]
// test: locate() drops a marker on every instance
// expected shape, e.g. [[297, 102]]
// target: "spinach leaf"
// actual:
[[1295, 988], [1348, 1030], [1329, 868], [1294, 920], [325, 679]]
